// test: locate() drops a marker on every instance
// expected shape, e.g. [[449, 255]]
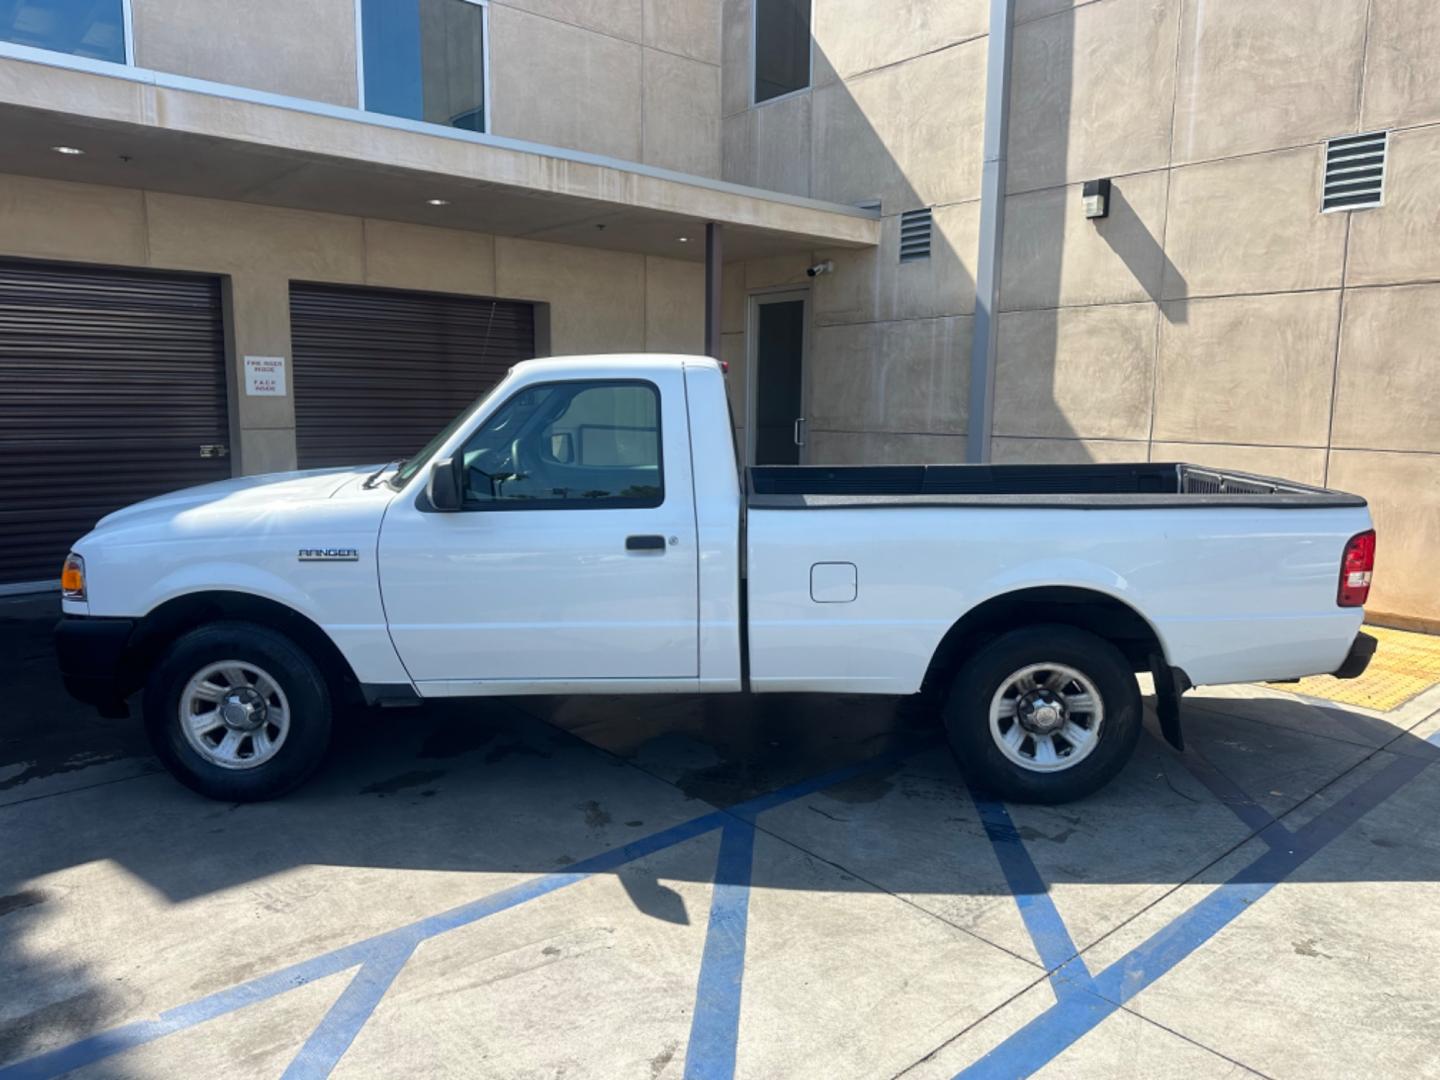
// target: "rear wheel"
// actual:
[[238, 712], [1046, 714]]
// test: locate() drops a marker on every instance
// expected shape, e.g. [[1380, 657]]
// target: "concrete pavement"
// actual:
[[717, 887]]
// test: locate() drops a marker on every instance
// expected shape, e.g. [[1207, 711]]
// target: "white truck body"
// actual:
[[842, 592]]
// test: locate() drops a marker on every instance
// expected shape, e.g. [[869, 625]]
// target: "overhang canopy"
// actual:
[[160, 132]]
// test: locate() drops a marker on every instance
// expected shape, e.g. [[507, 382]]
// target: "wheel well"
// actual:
[[1102, 615], [157, 630]]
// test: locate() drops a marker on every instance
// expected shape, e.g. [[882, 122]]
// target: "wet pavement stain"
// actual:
[[595, 816], [399, 783], [38, 770], [659, 1062]]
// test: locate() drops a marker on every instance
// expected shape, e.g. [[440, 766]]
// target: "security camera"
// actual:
[[826, 267]]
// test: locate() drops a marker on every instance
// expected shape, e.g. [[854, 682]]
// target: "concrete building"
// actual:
[[397, 198]]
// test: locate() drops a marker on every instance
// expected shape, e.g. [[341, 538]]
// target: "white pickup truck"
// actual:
[[584, 528]]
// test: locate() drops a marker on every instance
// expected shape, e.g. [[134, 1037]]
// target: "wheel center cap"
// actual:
[[244, 710], [1042, 712]]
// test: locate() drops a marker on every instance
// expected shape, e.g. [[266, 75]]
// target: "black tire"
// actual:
[[967, 714], [306, 692]]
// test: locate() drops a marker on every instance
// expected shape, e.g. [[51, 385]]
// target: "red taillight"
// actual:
[[1356, 567]]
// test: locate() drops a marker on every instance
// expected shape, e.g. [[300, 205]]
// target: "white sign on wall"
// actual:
[[265, 376]]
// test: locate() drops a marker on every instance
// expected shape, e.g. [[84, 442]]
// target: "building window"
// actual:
[[92, 28], [424, 60], [782, 47]]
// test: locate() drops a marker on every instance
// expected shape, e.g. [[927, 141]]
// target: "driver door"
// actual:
[[574, 556]]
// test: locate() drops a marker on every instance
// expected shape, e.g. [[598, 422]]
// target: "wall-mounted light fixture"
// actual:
[[1097, 198]]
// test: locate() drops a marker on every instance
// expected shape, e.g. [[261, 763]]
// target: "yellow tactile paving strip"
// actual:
[[1404, 664]]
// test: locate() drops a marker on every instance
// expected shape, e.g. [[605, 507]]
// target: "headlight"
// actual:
[[72, 578]]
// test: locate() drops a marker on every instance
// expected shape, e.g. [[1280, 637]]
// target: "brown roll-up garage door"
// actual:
[[112, 389], [379, 371]]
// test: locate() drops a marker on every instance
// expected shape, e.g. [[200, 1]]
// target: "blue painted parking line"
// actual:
[[1092, 1000], [328, 1042], [1037, 910], [715, 1024], [377, 953]]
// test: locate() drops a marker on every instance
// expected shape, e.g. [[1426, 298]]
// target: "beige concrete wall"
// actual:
[[600, 301], [302, 49], [895, 112], [1215, 316], [633, 79]]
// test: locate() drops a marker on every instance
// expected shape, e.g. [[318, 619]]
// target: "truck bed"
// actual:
[[1113, 486]]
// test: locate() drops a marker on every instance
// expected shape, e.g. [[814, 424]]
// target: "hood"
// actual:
[[250, 497]]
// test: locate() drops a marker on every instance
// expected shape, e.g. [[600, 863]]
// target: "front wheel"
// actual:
[[1046, 714], [238, 712]]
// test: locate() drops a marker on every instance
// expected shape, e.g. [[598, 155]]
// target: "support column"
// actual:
[[714, 265], [981, 420]]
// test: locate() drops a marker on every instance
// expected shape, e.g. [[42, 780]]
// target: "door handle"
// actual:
[[645, 543], [800, 431]]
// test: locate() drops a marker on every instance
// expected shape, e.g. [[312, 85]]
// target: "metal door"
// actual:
[[112, 390], [380, 371], [775, 420]]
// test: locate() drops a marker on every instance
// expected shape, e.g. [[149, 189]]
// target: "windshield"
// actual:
[[417, 462]]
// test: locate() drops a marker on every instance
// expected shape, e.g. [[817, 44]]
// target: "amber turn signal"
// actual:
[[72, 578]]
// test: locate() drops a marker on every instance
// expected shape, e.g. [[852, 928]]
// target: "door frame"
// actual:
[[774, 295]]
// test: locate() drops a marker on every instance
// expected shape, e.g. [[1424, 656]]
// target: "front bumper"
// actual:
[[91, 654], [1358, 659]]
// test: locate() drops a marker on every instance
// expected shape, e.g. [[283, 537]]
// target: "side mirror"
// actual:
[[562, 448], [446, 488]]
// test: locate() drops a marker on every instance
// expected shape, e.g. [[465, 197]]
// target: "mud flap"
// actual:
[[1169, 685]]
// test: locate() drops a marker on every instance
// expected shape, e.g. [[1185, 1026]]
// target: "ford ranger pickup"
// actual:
[[585, 529]]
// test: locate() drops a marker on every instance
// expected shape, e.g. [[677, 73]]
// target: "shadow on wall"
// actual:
[[887, 373], [1081, 301]]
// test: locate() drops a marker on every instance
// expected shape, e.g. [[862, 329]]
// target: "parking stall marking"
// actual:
[[1038, 912], [376, 956], [1083, 1000], [715, 1024], [1090, 1000]]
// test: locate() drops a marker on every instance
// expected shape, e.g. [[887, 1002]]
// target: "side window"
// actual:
[[93, 28], [425, 60], [781, 48], [569, 446]]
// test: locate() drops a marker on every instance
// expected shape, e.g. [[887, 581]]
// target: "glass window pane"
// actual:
[[782, 47], [573, 445], [425, 60], [93, 28], [452, 63]]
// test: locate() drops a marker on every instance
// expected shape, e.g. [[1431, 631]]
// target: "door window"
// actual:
[[569, 446]]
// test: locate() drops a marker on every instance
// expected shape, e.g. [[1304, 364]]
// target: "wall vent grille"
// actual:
[[915, 235], [1355, 171]]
